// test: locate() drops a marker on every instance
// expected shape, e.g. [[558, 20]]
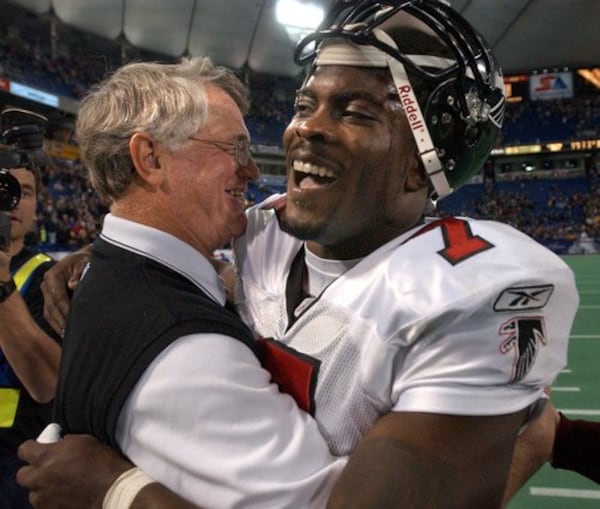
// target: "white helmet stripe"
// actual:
[[418, 126]]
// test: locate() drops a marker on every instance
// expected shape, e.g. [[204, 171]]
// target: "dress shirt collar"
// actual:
[[167, 250]]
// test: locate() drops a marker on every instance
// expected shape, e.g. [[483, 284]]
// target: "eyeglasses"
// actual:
[[241, 148]]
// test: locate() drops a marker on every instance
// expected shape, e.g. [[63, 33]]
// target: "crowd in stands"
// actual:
[[555, 212], [28, 60], [529, 122], [563, 214], [69, 212], [271, 108]]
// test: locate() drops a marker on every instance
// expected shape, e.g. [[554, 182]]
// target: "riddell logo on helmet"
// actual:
[[411, 108]]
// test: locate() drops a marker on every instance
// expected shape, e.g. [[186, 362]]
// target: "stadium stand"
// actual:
[[557, 204]]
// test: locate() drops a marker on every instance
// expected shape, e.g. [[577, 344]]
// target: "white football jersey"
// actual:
[[456, 316]]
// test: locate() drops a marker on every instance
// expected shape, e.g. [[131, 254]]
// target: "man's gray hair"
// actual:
[[165, 100]]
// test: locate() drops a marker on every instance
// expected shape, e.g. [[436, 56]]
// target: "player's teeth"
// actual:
[[312, 169]]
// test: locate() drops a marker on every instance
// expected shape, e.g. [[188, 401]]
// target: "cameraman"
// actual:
[[29, 349]]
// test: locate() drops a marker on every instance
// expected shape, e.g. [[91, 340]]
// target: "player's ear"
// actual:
[[416, 177]]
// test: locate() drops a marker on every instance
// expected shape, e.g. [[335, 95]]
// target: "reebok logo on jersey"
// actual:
[[523, 335], [519, 298]]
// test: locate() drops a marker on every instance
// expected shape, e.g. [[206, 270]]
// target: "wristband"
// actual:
[[577, 447], [125, 488]]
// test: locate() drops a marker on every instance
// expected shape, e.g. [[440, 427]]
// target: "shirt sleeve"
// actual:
[[485, 359], [205, 420]]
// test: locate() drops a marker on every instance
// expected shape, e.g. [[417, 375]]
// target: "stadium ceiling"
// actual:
[[526, 34]]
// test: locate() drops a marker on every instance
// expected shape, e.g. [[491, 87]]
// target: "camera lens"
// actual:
[[10, 191]]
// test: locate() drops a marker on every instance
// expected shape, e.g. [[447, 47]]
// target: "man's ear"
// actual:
[[144, 155]]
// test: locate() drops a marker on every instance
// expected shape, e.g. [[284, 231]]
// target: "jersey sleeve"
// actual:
[[205, 420], [493, 350]]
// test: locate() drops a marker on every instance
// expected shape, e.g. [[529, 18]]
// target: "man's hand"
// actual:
[[61, 279], [77, 471], [533, 449], [73, 473], [541, 433]]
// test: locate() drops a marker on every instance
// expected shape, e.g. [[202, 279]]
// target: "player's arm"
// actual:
[[63, 277], [156, 496], [276, 456], [59, 280], [413, 460], [532, 449], [567, 444], [55, 470], [77, 473]]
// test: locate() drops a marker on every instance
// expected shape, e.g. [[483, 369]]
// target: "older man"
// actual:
[[154, 363]]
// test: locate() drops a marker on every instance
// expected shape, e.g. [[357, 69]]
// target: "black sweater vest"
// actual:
[[125, 311]]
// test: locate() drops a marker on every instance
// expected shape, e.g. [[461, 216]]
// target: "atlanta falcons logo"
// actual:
[[523, 335]]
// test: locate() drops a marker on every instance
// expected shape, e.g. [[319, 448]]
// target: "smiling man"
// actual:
[[154, 363], [410, 350]]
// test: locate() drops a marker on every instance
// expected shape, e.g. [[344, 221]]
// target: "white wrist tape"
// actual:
[[123, 491]]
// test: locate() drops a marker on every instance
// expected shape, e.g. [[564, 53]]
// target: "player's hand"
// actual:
[[73, 473], [226, 272], [533, 449], [58, 283], [540, 434]]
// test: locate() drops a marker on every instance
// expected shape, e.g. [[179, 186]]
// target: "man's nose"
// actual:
[[317, 126], [249, 171]]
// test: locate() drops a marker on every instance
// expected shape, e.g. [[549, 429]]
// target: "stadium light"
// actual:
[[591, 75], [298, 17]]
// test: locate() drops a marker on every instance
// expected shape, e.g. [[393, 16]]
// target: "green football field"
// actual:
[[576, 393]]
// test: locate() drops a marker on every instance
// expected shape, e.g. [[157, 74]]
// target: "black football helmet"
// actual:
[[445, 73]]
